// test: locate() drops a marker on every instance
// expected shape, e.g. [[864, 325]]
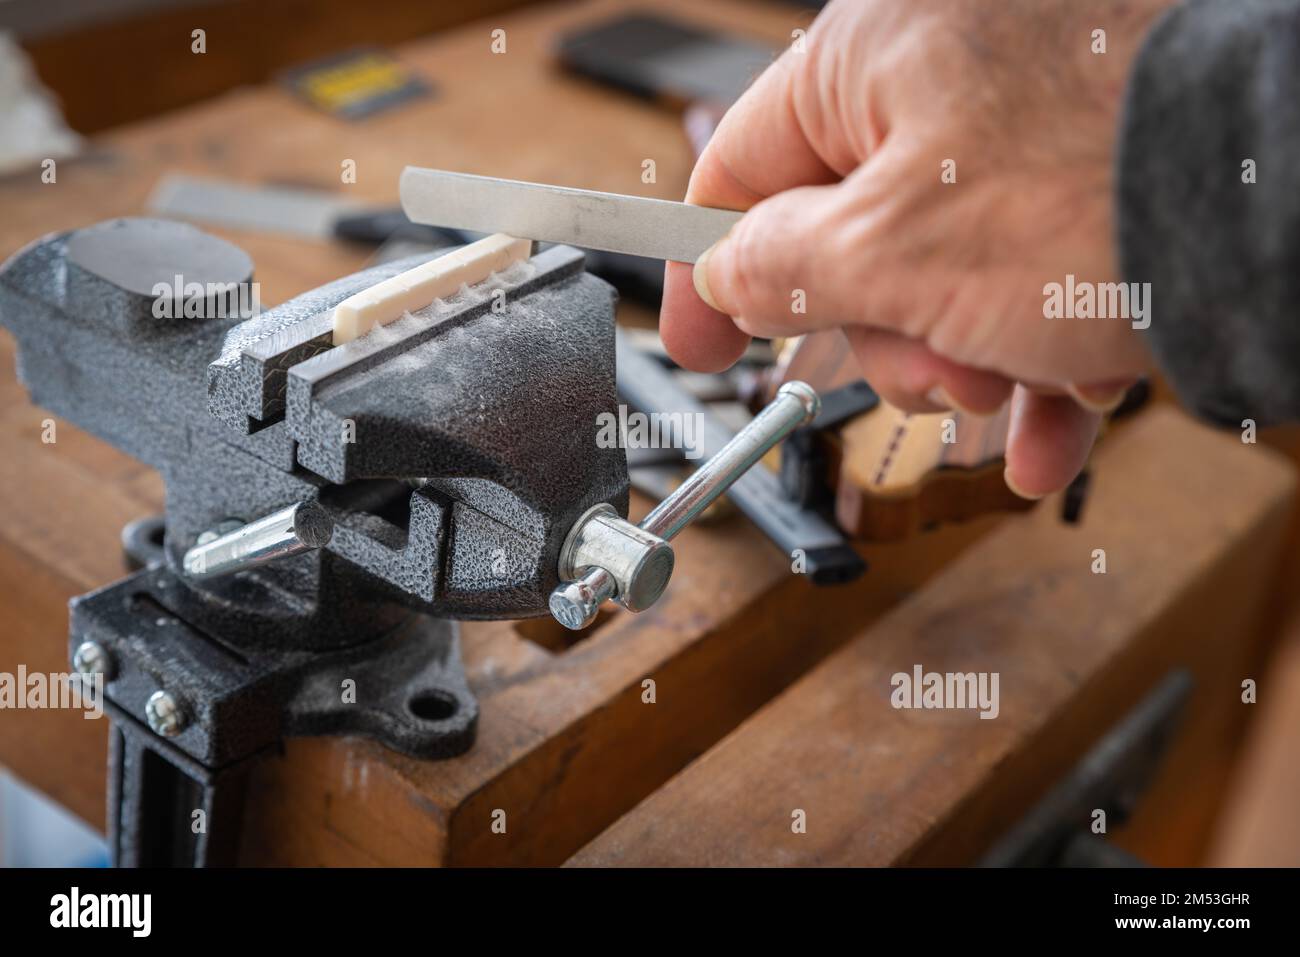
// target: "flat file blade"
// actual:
[[611, 222]]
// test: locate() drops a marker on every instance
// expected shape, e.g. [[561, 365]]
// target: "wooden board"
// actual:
[[1190, 567], [1259, 826], [65, 505], [248, 41], [566, 744]]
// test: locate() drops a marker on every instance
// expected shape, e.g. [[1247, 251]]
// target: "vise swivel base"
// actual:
[[331, 510]]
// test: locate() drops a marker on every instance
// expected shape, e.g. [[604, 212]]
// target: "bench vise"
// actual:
[[331, 510]]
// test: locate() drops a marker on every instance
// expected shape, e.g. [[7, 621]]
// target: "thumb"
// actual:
[[779, 260]]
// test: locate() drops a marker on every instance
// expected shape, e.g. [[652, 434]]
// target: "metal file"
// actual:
[[612, 222]]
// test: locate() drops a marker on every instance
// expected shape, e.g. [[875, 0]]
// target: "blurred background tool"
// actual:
[[666, 59], [356, 84]]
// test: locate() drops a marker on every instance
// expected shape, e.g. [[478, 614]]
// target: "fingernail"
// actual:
[[1006, 477], [1101, 402], [700, 276]]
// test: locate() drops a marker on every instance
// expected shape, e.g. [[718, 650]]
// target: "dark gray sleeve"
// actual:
[[1217, 83]]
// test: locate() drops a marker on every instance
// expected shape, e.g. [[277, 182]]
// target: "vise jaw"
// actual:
[[452, 451]]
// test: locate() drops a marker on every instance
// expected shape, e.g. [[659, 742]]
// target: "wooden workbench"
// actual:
[[567, 747]]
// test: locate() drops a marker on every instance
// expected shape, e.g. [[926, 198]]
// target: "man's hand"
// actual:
[[845, 155]]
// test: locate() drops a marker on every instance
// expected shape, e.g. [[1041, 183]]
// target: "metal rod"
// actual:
[[795, 404], [648, 386], [290, 531]]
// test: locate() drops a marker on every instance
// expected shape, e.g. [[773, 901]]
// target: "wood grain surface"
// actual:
[[1189, 572]]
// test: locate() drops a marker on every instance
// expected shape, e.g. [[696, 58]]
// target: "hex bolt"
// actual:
[[575, 603], [166, 713], [92, 658]]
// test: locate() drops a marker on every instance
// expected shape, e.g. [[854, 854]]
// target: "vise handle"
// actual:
[[605, 557]]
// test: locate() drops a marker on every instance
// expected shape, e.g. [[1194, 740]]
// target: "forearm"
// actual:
[[1209, 204]]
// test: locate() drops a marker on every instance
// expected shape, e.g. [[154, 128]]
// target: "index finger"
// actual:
[[760, 148]]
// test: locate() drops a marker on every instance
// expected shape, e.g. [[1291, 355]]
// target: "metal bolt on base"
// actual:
[[92, 658], [166, 714], [608, 557]]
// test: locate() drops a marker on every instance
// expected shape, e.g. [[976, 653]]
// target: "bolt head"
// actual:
[[92, 658], [166, 714], [574, 606]]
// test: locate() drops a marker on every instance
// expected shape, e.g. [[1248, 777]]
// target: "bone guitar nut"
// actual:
[[391, 299]]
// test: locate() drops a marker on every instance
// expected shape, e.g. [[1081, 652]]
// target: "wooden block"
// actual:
[[566, 744], [1192, 523], [58, 751], [66, 504], [1260, 827]]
